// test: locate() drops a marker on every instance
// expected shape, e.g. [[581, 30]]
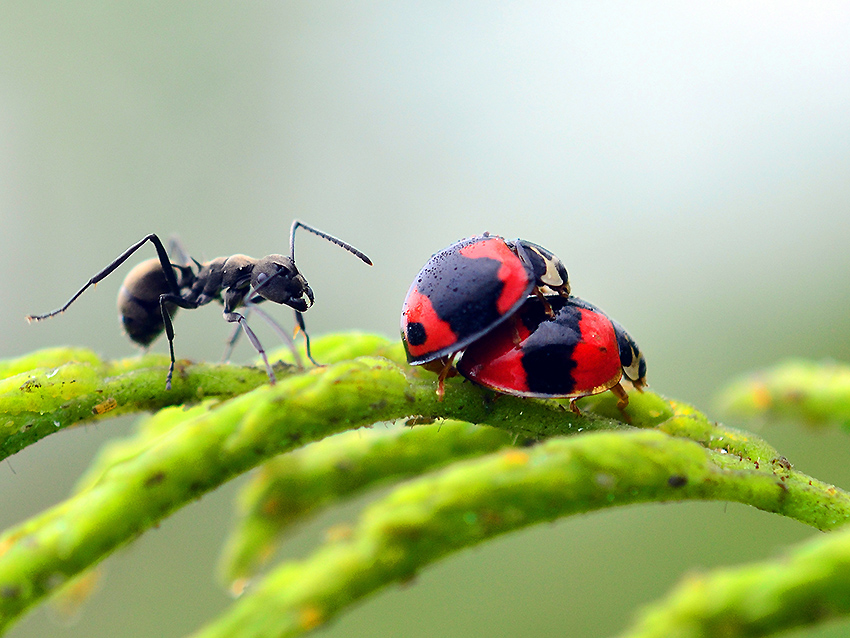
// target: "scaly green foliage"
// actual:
[[471, 476], [815, 393]]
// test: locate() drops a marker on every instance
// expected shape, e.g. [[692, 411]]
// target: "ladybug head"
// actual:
[[276, 279], [549, 271]]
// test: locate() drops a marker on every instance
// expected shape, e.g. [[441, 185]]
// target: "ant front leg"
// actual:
[[299, 319]]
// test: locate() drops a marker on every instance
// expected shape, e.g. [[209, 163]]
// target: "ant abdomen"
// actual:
[[139, 305]]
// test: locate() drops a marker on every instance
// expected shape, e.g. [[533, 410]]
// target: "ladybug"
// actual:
[[575, 353], [466, 290]]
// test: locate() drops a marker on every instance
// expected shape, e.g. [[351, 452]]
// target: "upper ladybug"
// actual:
[[467, 289]]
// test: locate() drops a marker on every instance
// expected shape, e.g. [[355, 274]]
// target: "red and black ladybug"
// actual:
[[466, 290], [575, 353]]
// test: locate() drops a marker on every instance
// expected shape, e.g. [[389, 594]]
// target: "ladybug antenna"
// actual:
[[299, 224]]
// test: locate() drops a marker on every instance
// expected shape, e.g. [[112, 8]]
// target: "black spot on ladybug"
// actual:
[[677, 480], [467, 298], [416, 334], [548, 352], [548, 370]]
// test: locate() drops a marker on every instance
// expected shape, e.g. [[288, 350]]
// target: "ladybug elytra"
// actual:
[[505, 307], [466, 290], [575, 353]]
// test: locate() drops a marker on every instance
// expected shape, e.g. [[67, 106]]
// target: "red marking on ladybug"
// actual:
[[469, 288], [596, 354], [439, 335], [513, 272], [575, 353]]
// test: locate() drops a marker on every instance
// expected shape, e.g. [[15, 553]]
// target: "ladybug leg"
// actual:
[[573, 407], [516, 338], [444, 367], [447, 371], [546, 305], [623, 400]]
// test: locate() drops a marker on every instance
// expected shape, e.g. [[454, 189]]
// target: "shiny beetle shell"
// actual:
[[469, 288], [577, 352]]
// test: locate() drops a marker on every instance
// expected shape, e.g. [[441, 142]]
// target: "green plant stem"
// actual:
[[72, 386], [425, 519], [298, 484], [809, 586], [209, 448], [43, 392], [812, 392], [45, 400], [181, 454], [293, 486]]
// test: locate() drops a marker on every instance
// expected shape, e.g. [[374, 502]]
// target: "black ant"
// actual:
[[154, 289]]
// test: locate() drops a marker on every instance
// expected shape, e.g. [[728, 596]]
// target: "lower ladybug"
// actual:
[[467, 289], [575, 353]]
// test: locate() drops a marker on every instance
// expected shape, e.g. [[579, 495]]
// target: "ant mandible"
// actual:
[[154, 289]]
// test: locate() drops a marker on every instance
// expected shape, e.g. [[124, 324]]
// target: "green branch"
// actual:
[[71, 386], [810, 585], [472, 501], [215, 443], [816, 393], [302, 483], [460, 491], [294, 486]]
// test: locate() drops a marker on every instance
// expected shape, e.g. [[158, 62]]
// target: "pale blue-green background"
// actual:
[[690, 162]]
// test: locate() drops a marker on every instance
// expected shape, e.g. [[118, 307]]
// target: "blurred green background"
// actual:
[[690, 163]]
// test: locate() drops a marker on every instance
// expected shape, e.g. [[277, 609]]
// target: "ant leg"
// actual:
[[299, 319], [177, 251], [164, 300], [167, 270], [234, 337], [234, 317], [169, 333], [251, 306], [279, 330]]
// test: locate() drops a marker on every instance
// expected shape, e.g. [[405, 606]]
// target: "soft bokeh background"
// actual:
[[690, 162]]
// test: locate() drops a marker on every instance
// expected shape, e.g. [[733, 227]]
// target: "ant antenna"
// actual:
[[299, 224]]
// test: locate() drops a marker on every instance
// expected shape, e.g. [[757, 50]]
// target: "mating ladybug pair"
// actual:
[[505, 307]]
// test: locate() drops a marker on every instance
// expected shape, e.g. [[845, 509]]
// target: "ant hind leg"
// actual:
[[170, 278]]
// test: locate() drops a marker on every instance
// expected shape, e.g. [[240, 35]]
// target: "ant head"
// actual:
[[276, 279]]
